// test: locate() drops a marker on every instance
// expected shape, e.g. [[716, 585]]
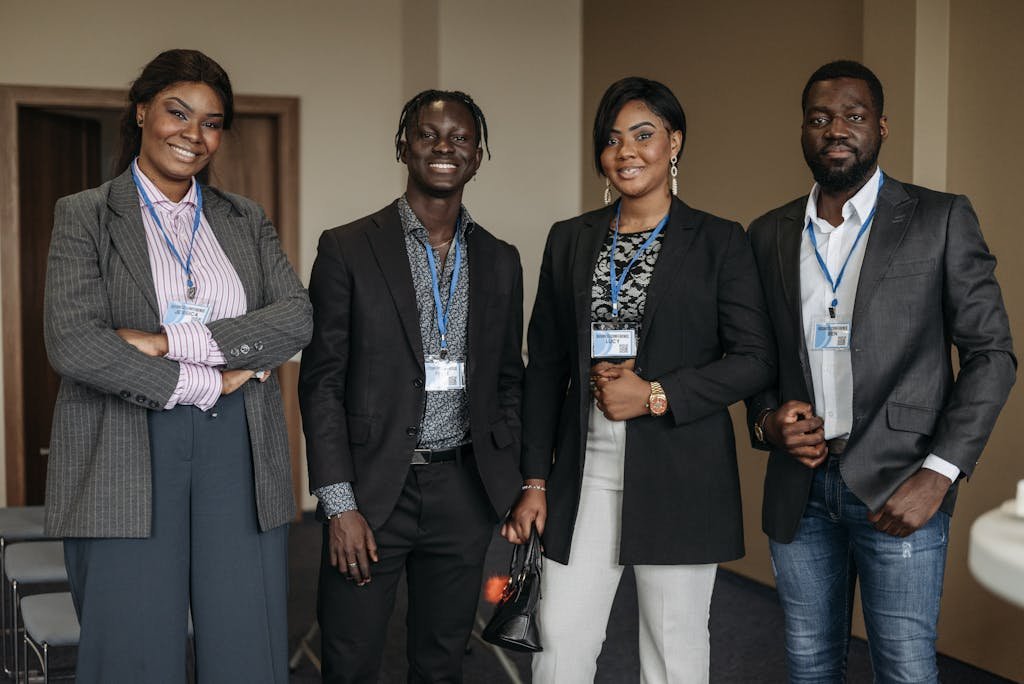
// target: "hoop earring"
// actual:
[[674, 172], [139, 121], [607, 191]]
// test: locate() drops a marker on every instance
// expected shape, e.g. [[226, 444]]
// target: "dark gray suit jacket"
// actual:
[[361, 383], [928, 280], [98, 279], [705, 337]]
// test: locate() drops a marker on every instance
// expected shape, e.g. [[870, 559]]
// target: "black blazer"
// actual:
[[361, 382], [927, 280], [705, 337]]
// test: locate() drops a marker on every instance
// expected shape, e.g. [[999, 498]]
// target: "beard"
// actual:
[[832, 179]]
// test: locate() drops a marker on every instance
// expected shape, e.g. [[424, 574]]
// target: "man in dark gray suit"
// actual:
[[868, 282]]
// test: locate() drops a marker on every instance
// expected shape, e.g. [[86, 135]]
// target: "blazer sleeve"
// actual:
[[767, 398], [324, 367], [80, 340], [548, 367], [510, 372], [280, 328], [748, 362], [979, 328]]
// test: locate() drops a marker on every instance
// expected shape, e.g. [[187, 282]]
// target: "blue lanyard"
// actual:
[[846, 262], [442, 315], [616, 281], [186, 264]]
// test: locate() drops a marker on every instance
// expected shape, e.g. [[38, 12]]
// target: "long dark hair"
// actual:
[[166, 69]]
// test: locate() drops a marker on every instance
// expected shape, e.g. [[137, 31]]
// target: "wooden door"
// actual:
[[57, 155]]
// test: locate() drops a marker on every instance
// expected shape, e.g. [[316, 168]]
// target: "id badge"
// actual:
[[612, 340], [444, 374], [187, 312], [831, 334]]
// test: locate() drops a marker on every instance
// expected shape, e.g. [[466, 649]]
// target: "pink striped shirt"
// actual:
[[217, 285]]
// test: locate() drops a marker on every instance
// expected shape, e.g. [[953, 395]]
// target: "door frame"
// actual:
[[285, 109]]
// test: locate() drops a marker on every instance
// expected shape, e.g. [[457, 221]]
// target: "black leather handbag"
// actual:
[[514, 623]]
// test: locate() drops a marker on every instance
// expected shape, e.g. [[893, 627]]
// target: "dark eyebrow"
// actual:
[[186, 106], [634, 127]]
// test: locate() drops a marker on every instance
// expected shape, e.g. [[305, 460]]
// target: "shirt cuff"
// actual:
[[192, 342], [941, 466], [198, 385], [336, 498]]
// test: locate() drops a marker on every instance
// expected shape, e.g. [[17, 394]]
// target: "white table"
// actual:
[[996, 553]]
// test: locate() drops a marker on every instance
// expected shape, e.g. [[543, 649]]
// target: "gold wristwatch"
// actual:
[[657, 403]]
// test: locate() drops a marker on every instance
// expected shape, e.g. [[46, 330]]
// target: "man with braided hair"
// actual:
[[416, 308]]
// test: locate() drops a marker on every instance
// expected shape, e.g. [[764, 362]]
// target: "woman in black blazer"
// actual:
[[629, 454]]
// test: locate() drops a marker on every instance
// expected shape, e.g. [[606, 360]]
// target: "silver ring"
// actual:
[[353, 565]]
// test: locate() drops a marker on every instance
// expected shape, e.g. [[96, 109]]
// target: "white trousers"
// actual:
[[674, 600]]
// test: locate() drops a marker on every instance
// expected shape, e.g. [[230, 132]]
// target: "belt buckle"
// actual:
[[421, 456]]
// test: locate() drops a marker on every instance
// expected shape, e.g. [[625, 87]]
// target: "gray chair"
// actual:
[[29, 564], [17, 524], [50, 622]]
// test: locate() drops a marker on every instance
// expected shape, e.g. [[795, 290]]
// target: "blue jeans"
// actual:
[[900, 583]]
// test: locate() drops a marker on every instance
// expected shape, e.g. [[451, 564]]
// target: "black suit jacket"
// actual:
[[705, 336], [362, 377], [927, 280]]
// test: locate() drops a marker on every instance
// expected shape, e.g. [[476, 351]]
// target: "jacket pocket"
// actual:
[[359, 428], [905, 269], [501, 433], [911, 418]]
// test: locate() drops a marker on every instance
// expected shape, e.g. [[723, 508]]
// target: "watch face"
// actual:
[[659, 404]]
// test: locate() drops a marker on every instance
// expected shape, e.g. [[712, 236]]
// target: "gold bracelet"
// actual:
[[539, 488]]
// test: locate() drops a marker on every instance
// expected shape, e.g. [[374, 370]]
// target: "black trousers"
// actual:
[[438, 533]]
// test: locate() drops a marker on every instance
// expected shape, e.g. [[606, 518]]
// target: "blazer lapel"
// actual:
[[388, 245], [231, 231], [481, 253], [789, 235], [129, 235], [678, 236], [588, 246], [892, 218]]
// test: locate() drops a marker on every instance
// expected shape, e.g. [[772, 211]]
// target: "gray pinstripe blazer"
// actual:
[[98, 279]]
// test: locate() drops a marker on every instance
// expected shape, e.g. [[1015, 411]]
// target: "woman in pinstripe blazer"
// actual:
[[169, 475]]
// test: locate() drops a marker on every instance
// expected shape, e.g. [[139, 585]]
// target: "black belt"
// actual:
[[836, 446], [429, 456]]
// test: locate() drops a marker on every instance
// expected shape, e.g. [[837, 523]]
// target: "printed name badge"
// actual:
[[187, 312], [612, 340], [831, 334], [444, 374]]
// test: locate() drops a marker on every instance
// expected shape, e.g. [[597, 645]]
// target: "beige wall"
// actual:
[[353, 64], [986, 60]]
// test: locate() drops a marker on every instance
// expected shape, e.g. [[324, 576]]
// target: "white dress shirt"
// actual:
[[831, 371]]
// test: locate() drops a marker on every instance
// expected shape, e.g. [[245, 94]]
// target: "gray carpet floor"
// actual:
[[746, 631]]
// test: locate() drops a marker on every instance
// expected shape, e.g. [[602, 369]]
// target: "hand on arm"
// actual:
[[621, 394], [913, 504], [150, 344], [794, 428], [530, 510]]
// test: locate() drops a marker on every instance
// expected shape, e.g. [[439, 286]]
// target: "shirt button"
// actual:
[[411, 431], [417, 383], [244, 349]]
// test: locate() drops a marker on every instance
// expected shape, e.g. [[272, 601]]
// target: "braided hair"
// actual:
[[411, 112]]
